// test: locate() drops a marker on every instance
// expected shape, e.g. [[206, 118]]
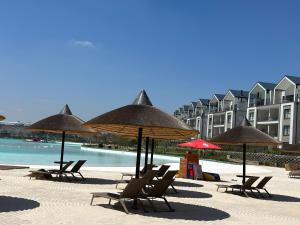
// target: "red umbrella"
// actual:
[[199, 144]]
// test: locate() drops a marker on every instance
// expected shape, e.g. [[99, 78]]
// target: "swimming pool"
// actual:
[[19, 152]]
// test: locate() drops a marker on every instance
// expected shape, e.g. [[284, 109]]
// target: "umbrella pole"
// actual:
[[152, 151], [146, 153], [244, 163], [62, 149], [138, 153]]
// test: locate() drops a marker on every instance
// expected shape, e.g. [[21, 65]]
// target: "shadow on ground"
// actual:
[[186, 184], [189, 194], [275, 197], [282, 198], [12, 204], [182, 211]]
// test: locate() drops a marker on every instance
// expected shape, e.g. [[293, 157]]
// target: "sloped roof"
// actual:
[[294, 79], [267, 86], [239, 93], [220, 96], [204, 101]]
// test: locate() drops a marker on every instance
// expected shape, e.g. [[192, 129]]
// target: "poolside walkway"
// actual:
[[24, 201]]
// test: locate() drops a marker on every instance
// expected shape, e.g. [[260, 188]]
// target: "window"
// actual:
[[286, 130], [210, 121], [229, 119], [287, 113], [251, 116]]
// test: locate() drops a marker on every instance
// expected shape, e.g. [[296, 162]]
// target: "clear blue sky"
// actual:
[[97, 55]]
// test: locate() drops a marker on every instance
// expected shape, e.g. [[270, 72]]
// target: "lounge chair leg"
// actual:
[[124, 206], [109, 202], [244, 192], [168, 204], [81, 176], [268, 193], [174, 189], [92, 200]]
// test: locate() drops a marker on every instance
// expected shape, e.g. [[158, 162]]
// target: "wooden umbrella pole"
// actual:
[[138, 153], [244, 163], [146, 153], [152, 151], [62, 149]]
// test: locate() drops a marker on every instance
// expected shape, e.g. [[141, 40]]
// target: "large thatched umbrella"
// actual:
[[141, 119], [245, 135], [65, 123], [2, 117]]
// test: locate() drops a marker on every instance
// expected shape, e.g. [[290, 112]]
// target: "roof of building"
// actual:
[[194, 104], [294, 79], [204, 101], [267, 86], [219, 96], [239, 93]]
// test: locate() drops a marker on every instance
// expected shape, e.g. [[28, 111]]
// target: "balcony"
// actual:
[[256, 102], [287, 99]]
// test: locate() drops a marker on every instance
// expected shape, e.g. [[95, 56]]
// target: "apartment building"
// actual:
[[226, 111], [271, 107], [274, 109]]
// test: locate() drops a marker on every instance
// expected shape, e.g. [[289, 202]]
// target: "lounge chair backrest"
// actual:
[[149, 167], [65, 167], [78, 165], [133, 188], [170, 175], [263, 182], [250, 181], [149, 175], [162, 170], [160, 188]]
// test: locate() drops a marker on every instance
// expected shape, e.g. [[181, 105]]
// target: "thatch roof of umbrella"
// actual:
[[126, 120], [245, 134], [2, 117], [64, 121]]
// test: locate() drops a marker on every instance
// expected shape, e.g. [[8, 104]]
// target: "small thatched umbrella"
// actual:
[[141, 119], [2, 117], [65, 123], [245, 135]]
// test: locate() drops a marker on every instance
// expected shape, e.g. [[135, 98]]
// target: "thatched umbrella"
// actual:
[[65, 123], [141, 119], [245, 135], [2, 117]]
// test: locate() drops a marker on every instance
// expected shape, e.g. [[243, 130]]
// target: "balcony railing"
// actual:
[[256, 102], [288, 98]]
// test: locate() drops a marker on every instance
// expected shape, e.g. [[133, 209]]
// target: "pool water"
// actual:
[[20, 152]]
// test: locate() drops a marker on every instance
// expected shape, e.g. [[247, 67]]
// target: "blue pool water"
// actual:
[[15, 151]]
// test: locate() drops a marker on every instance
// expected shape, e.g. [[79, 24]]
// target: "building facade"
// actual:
[[271, 107]]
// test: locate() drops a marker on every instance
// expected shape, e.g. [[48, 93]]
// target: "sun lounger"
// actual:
[[131, 175], [170, 175], [131, 192], [75, 169], [162, 171], [148, 176], [262, 186], [294, 174], [158, 192], [48, 173], [241, 187]]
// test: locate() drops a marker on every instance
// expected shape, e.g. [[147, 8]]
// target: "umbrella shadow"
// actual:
[[12, 204], [189, 194], [183, 211], [186, 184], [281, 198]]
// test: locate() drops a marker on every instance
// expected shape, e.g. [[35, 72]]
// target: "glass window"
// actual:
[[286, 130], [251, 116], [210, 121], [287, 113], [229, 119]]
